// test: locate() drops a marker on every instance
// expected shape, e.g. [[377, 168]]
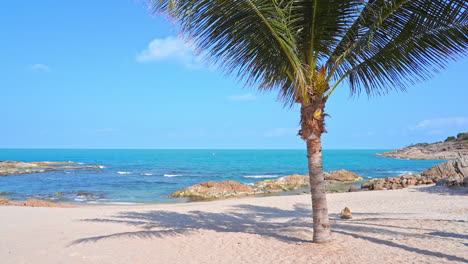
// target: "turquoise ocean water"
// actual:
[[148, 176]]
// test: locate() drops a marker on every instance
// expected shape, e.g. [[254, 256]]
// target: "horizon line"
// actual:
[[191, 148]]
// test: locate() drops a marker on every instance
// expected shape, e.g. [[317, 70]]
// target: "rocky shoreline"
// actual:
[[451, 148], [452, 173], [34, 203], [18, 167]]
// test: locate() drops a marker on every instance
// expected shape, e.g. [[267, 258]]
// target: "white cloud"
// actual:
[[278, 132], [169, 48], [242, 97], [38, 67], [440, 123]]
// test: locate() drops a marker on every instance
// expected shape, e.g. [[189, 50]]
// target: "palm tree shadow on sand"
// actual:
[[266, 221], [290, 226]]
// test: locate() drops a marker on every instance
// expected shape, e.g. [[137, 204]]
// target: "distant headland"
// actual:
[[452, 148]]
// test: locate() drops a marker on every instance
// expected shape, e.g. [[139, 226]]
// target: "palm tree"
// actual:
[[306, 48]]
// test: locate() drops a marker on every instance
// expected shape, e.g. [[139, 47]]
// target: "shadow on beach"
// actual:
[[443, 190], [290, 226]]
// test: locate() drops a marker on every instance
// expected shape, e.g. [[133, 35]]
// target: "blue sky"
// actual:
[[107, 74]]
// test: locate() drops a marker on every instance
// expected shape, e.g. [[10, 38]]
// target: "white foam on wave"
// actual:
[[172, 175], [261, 176], [402, 172], [147, 174], [124, 172], [405, 172]]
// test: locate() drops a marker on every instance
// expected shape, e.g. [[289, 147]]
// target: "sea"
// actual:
[[135, 176]]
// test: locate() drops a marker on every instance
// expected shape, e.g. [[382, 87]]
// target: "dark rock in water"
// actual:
[[6, 193], [353, 188], [87, 196], [346, 213]]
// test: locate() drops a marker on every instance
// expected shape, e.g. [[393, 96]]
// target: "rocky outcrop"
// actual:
[[394, 183], [453, 182], [34, 203], [282, 184], [18, 167], [42, 203], [342, 175], [334, 180], [214, 190], [443, 174], [448, 150], [338, 180], [4, 201], [452, 168]]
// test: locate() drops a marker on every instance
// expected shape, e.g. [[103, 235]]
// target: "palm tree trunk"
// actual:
[[312, 128], [317, 190]]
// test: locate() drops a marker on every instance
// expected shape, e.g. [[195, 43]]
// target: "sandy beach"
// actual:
[[414, 225]]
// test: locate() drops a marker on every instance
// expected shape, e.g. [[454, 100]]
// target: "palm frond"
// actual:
[[320, 26], [250, 39], [407, 43], [291, 45]]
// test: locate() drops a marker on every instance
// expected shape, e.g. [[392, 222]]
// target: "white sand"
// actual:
[[415, 225]]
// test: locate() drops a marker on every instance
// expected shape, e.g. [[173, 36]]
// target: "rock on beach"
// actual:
[[450, 173], [34, 203], [225, 189], [214, 190]]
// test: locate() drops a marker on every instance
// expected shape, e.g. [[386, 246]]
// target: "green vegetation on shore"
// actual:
[[460, 137]]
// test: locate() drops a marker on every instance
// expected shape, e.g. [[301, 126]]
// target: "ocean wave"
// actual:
[[405, 172], [261, 176], [147, 174], [124, 172], [172, 175], [401, 172]]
